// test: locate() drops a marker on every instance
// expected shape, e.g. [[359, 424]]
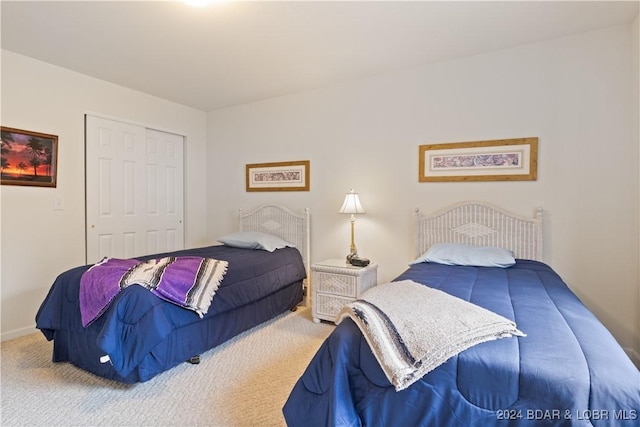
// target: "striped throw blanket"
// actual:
[[190, 282], [412, 329]]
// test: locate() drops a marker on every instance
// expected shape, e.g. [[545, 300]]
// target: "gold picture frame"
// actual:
[[492, 160], [279, 176], [28, 158]]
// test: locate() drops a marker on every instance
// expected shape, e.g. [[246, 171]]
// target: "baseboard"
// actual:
[[17, 333], [634, 356]]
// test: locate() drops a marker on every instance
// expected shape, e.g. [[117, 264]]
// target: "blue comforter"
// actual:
[[568, 370], [143, 335]]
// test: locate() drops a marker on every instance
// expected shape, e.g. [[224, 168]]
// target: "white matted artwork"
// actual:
[[493, 160], [281, 176]]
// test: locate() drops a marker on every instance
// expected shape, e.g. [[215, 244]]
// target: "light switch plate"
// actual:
[[58, 203]]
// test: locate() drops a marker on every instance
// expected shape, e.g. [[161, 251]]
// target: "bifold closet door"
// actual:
[[134, 190], [164, 170]]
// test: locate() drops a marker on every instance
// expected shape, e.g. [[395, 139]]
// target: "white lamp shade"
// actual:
[[352, 204]]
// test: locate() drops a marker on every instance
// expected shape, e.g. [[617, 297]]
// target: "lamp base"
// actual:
[[351, 256]]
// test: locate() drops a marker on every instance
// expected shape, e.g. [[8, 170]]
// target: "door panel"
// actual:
[[127, 188], [165, 182]]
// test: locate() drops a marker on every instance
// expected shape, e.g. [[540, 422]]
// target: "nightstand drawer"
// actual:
[[335, 284], [330, 305]]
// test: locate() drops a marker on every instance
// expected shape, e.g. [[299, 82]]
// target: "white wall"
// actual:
[[573, 93], [38, 242]]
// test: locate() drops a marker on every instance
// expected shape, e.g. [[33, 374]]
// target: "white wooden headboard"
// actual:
[[481, 224], [281, 222]]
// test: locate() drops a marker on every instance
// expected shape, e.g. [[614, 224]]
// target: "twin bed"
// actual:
[[567, 370], [140, 335]]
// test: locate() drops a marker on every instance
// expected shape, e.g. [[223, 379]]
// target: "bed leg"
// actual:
[[194, 360]]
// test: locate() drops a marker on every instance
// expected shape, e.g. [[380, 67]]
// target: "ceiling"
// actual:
[[235, 52]]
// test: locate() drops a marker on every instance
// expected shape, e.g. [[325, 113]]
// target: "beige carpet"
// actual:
[[244, 382]]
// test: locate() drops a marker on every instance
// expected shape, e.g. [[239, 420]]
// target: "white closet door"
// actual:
[[134, 190], [164, 192]]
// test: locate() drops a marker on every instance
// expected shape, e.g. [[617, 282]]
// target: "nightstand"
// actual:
[[335, 283]]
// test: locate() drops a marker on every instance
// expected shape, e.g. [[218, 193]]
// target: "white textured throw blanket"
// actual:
[[412, 328]]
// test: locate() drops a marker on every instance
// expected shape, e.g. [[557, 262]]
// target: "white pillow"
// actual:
[[254, 240], [461, 254]]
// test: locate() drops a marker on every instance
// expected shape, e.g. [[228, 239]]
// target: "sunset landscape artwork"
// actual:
[[28, 158]]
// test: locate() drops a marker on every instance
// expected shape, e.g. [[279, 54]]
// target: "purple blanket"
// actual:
[[190, 282]]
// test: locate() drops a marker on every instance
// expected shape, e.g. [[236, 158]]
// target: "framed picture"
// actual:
[[283, 176], [495, 160], [28, 158]]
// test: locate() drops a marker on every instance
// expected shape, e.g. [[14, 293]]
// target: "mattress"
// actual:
[[141, 335], [568, 370]]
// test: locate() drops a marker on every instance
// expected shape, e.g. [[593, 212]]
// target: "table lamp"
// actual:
[[352, 206]]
